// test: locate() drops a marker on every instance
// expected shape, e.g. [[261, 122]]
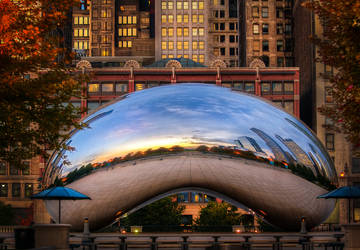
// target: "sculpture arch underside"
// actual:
[[279, 196]]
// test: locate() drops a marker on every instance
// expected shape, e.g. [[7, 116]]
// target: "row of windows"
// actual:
[[127, 32], [127, 19], [107, 87], [81, 44], [125, 44], [81, 32], [265, 28], [279, 45], [183, 45], [182, 32], [5, 170], [222, 38], [182, 18], [169, 5], [221, 26], [16, 189], [81, 20], [222, 51], [196, 58], [280, 12]]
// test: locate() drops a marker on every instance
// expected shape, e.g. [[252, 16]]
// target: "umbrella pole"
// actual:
[[59, 211], [349, 211]]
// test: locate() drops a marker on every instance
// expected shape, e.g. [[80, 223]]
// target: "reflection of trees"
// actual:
[[308, 174], [297, 169]]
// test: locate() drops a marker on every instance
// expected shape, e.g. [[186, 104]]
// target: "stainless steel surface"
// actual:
[[194, 135]]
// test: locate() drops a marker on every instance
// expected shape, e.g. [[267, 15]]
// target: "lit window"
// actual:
[[186, 32], [170, 5], [134, 20], [171, 45], [120, 20], [163, 57], [171, 32], [201, 45], [265, 12], [201, 18], [129, 19], [179, 18], [179, 32], [125, 32], [195, 31], [195, 58], [107, 87], [194, 5], [163, 5], [76, 32], [81, 32], [81, 20], [129, 32], [163, 45], [93, 87], [86, 20], [194, 18], [76, 20], [120, 32], [186, 5], [255, 11], [186, 56], [163, 18], [179, 5], [186, 18], [129, 44], [201, 32], [3, 190], [194, 45], [201, 5], [124, 20], [201, 58], [163, 31], [171, 18], [134, 31], [170, 56], [255, 28], [29, 188], [121, 87], [186, 45], [179, 45]]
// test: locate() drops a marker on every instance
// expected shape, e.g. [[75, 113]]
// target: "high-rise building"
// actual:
[[111, 32], [266, 32]]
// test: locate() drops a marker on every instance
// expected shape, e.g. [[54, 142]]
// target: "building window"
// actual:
[[195, 58], [330, 141], [170, 32], [201, 58], [249, 87], [179, 32], [93, 87], [201, 5], [163, 5], [255, 11], [222, 51], [3, 168], [328, 95], [194, 5], [289, 87], [107, 87], [279, 13], [201, 45], [265, 12], [232, 26], [163, 19], [139, 86], [279, 28], [3, 190], [170, 5], [186, 45], [194, 18], [265, 45], [280, 61], [186, 18], [29, 189], [179, 45], [277, 88], [355, 165], [26, 170], [255, 29], [171, 45], [163, 32], [231, 38], [194, 45], [288, 28], [14, 170], [186, 5], [15, 190], [265, 88], [186, 32], [121, 87], [179, 5], [196, 197], [280, 45], [256, 45]]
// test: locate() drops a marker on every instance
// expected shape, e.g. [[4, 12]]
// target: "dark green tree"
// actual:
[[218, 214], [161, 214], [6, 214]]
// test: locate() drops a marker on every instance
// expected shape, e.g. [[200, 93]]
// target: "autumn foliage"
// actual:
[[339, 47], [35, 84]]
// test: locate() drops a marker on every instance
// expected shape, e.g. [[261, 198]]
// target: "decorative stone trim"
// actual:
[[83, 64], [217, 63], [132, 64], [173, 63], [257, 63]]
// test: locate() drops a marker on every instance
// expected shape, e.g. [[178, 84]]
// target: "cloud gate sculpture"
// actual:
[[193, 136]]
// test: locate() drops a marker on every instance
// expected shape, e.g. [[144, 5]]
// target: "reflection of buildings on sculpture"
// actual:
[[276, 149], [249, 144]]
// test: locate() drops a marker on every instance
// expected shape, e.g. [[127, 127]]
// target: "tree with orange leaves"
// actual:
[[339, 47], [35, 87]]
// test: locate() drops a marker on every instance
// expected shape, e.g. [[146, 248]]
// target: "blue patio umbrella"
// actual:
[[346, 192], [60, 193]]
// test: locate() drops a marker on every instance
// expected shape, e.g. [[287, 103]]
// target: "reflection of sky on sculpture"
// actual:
[[187, 115]]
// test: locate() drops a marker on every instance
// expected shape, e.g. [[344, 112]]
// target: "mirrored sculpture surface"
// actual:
[[187, 136]]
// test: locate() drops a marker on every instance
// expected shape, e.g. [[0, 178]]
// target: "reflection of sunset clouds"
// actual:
[[187, 115]]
